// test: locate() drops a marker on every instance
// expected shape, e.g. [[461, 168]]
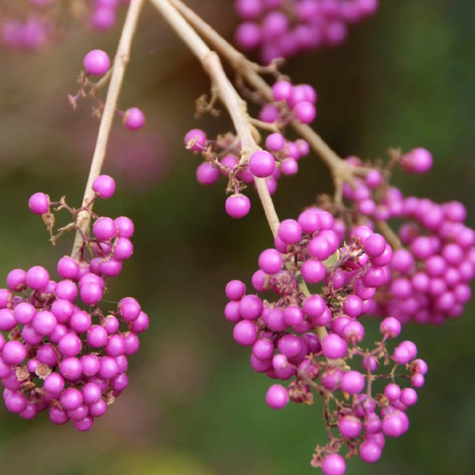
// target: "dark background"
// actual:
[[194, 406]]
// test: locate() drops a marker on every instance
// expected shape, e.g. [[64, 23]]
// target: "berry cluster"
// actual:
[[221, 156], [280, 29], [62, 351], [434, 263], [307, 253], [280, 156], [97, 63], [39, 26]]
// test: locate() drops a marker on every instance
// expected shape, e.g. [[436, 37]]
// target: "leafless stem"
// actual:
[[234, 104], [117, 76]]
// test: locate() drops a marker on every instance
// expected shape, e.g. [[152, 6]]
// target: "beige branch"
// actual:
[[117, 76]]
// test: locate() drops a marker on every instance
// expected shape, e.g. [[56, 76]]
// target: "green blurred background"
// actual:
[[194, 407]]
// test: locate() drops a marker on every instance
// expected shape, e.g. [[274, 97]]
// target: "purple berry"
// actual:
[[44, 322], [96, 62], [70, 345], [353, 382], [125, 227], [334, 464], [334, 347], [237, 206], [195, 140], [13, 353], [370, 452], [71, 399], [104, 229], [207, 174], [262, 164], [290, 231], [270, 261], [277, 397], [104, 186], [235, 290], [245, 333], [39, 203], [350, 426], [37, 278], [134, 118]]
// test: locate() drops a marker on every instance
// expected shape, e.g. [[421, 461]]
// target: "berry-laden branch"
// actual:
[[117, 77], [234, 104], [313, 337], [250, 72], [236, 107]]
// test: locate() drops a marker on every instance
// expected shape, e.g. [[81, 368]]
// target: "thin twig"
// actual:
[[117, 76]]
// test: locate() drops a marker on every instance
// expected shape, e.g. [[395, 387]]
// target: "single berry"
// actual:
[[96, 62], [134, 118], [104, 186], [39, 203]]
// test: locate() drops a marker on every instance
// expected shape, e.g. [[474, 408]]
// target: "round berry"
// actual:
[[134, 118], [13, 352], [277, 397], [195, 140], [96, 62], [262, 164], [237, 206], [39, 203], [334, 464], [104, 186]]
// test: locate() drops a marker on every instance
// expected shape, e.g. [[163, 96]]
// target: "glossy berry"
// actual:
[[237, 206], [104, 186], [96, 62], [333, 464], [134, 118], [195, 140], [39, 203], [262, 164], [277, 397]]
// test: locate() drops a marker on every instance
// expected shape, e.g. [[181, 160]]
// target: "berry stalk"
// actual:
[[117, 77]]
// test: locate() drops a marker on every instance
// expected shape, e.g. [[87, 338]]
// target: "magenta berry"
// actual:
[[195, 140], [39, 203], [207, 174], [245, 333], [238, 206], [334, 346], [134, 118], [13, 353], [37, 278], [270, 261], [104, 186], [68, 268], [96, 62], [277, 397], [235, 290], [262, 164], [418, 160], [334, 464]]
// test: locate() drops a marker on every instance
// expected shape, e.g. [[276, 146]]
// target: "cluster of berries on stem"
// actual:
[[306, 329], [281, 29], [64, 348]]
